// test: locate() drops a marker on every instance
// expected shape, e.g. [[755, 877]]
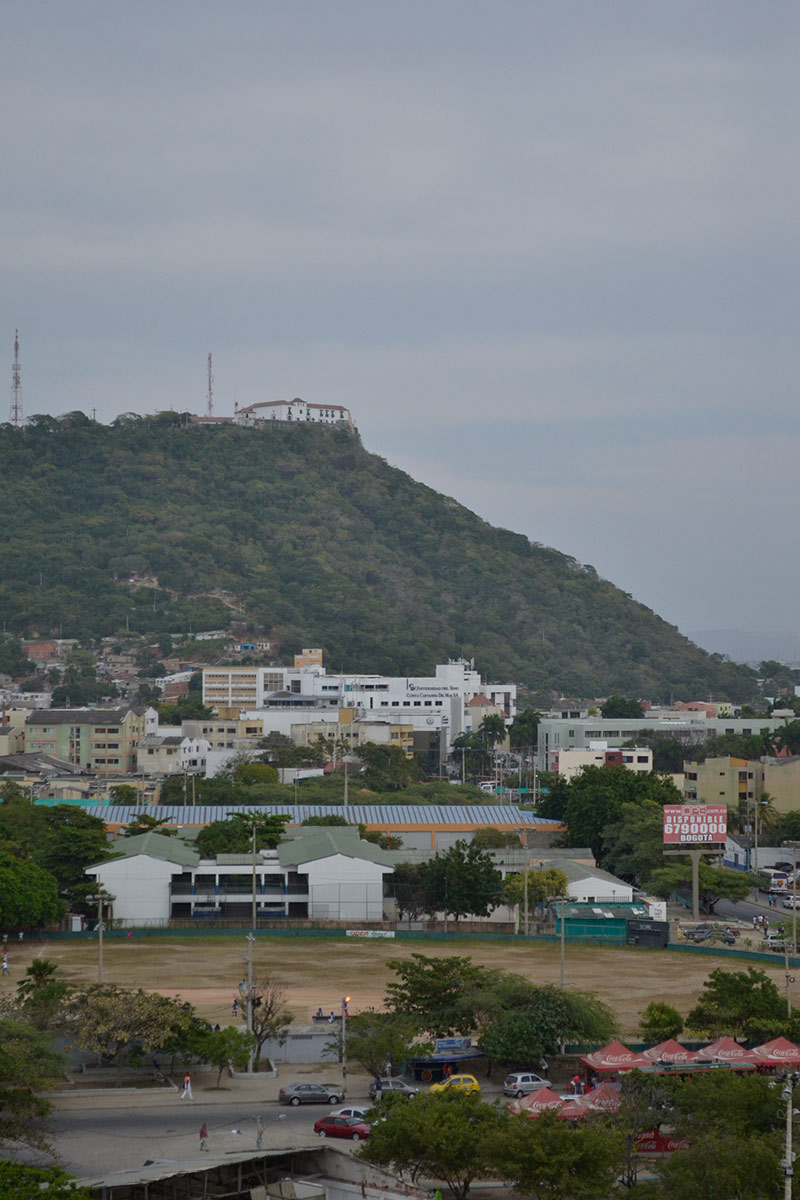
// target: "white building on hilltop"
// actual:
[[295, 412]]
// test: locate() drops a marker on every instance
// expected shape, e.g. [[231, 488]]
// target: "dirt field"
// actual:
[[319, 971]]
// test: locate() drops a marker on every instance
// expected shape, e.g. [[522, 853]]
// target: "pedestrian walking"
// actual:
[[5, 965], [378, 1088], [186, 1094], [203, 1136], [235, 1007], [20, 936], [755, 920]]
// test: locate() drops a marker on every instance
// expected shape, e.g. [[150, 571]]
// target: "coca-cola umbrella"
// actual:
[[669, 1051], [614, 1057], [536, 1103], [780, 1052], [603, 1099], [725, 1049]]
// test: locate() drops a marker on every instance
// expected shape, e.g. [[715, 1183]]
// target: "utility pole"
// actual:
[[254, 916], [249, 960], [345, 1002], [788, 1155], [563, 945]]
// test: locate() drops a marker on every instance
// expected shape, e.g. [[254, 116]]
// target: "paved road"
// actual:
[[91, 1141], [94, 1140]]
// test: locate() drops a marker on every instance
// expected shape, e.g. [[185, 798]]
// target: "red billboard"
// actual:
[[685, 824]]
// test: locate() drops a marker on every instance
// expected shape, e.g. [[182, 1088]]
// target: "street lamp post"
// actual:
[[345, 1002], [100, 898], [788, 1156]]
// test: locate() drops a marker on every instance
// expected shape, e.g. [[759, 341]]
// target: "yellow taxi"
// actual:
[[458, 1083]]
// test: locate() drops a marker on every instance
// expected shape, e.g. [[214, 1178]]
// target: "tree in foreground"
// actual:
[[552, 1159], [431, 990], [28, 895], [226, 1047], [22, 1182], [116, 1024], [739, 1003], [449, 1136], [28, 1065], [377, 1038], [270, 1016]]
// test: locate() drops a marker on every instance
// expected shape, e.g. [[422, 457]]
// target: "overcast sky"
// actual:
[[546, 253]]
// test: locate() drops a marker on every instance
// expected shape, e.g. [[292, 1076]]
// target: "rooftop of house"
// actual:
[[84, 716]]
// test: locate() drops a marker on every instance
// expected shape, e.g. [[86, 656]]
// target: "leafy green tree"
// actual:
[[431, 991], [145, 823], [227, 1047], [719, 1166], [279, 750], [31, 1183], [524, 730], [489, 837], [462, 881], [788, 738], [737, 1002], [28, 1066], [620, 706], [716, 883], [492, 730], [41, 996], [386, 768], [28, 895], [595, 800], [544, 885], [553, 1159], [247, 773], [114, 1022], [124, 794], [234, 834], [634, 844], [409, 892], [449, 1137], [660, 1021], [377, 1038]]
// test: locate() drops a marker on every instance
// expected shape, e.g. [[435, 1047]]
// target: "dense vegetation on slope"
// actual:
[[324, 544]]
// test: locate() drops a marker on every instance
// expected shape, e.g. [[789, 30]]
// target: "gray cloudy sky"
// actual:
[[545, 252]]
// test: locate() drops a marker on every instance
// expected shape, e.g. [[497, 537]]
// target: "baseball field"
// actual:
[[318, 972]]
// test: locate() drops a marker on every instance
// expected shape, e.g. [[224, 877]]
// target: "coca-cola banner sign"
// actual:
[[688, 823]]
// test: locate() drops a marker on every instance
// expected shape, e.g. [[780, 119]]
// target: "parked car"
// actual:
[[394, 1085], [310, 1093], [700, 933], [775, 943], [344, 1127], [728, 937], [457, 1083], [349, 1112], [522, 1083], [790, 901]]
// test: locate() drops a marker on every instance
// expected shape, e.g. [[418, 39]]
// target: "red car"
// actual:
[[344, 1127]]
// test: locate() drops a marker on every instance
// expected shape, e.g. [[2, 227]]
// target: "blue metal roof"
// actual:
[[367, 814]]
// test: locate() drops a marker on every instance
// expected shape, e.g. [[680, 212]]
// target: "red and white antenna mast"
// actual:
[[210, 404], [16, 386]]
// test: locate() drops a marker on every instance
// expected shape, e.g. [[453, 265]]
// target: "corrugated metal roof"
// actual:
[[372, 814]]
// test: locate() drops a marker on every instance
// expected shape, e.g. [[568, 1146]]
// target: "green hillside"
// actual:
[[323, 544]]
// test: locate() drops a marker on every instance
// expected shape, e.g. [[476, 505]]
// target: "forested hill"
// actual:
[[325, 545]]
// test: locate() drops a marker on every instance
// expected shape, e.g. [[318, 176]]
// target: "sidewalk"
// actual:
[[244, 1089]]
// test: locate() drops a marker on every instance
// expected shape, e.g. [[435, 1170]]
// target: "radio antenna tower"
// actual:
[[210, 404], [16, 386]]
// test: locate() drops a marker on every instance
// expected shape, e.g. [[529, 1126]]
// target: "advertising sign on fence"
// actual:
[[369, 933], [685, 824]]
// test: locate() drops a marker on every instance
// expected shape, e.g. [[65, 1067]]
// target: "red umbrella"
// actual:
[[537, 1102], [725, 1050], [615, 1057], [780, 1052], [669, 1051]]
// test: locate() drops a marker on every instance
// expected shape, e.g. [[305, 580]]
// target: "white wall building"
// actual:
[[327, 873], [429, 703], [561, 733], [294, 411], [571, 762]]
